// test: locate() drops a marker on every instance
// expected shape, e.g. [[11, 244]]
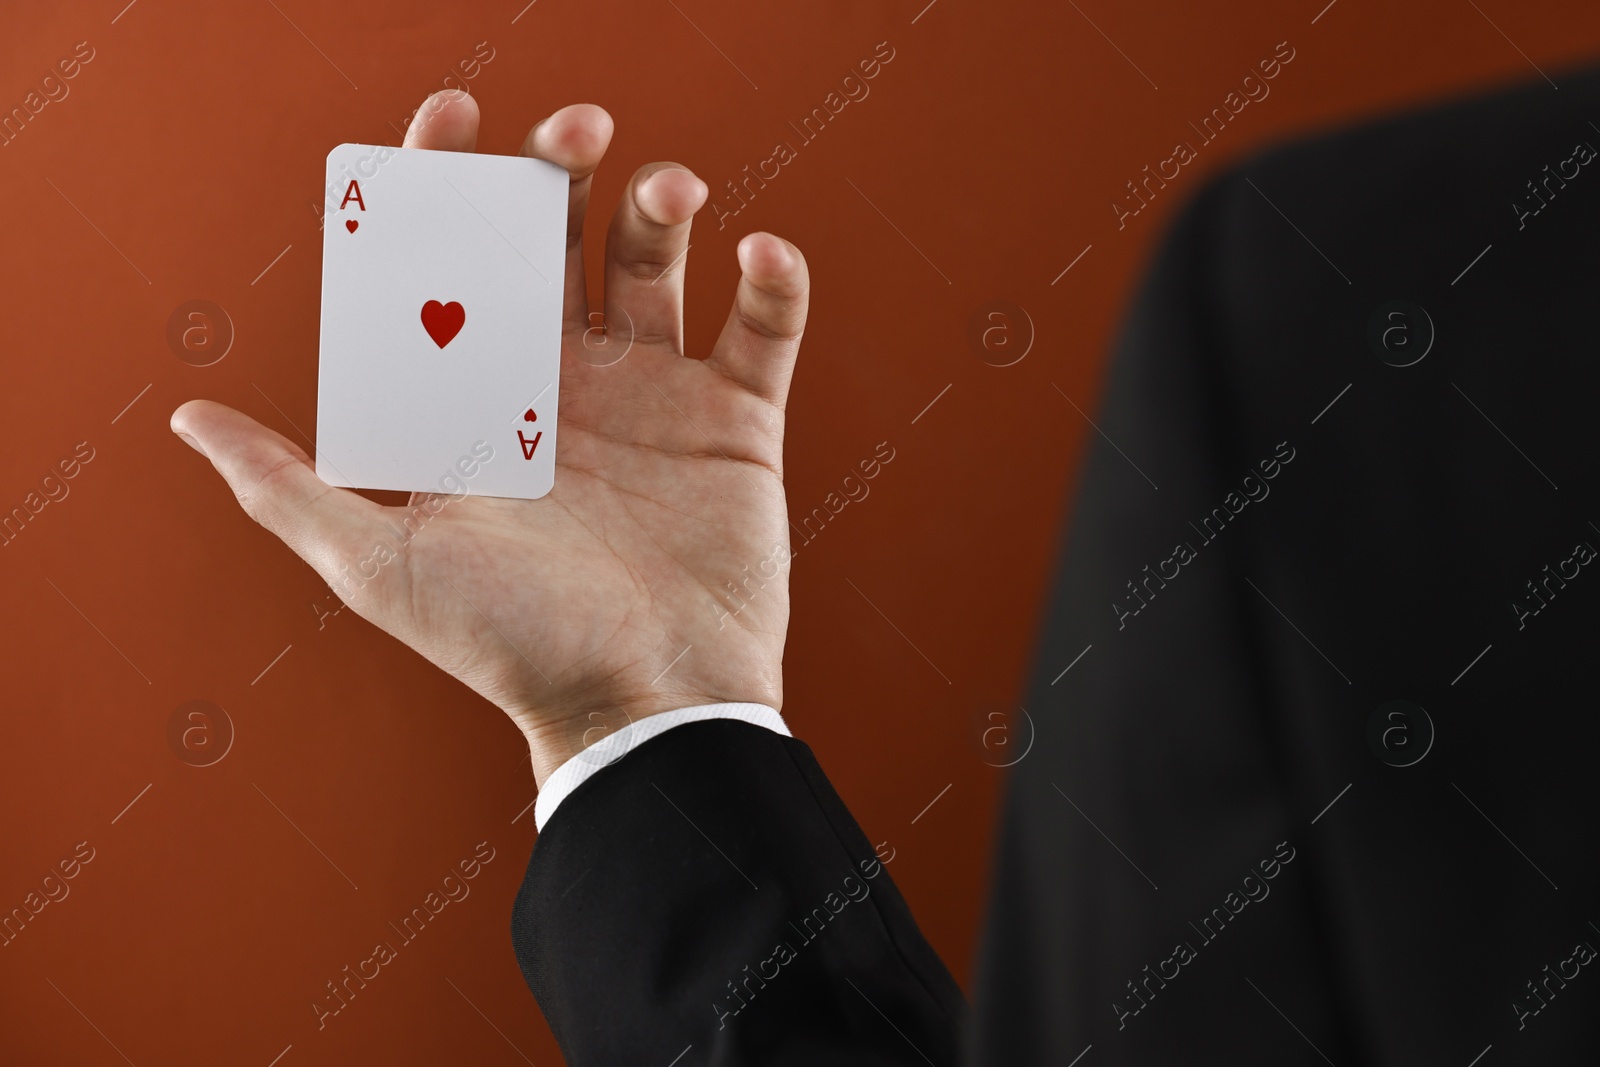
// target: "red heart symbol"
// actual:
[[351, 225], [529, 416], [443, 321]]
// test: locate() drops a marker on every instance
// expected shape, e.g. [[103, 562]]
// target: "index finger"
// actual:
[[574, 138], [446, 122]]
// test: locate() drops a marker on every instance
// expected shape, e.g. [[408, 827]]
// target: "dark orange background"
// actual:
[[189, 154]]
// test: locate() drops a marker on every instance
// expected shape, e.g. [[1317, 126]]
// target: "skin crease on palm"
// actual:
[[572, 613]]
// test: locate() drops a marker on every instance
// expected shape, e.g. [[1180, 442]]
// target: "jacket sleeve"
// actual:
[[709, 896]]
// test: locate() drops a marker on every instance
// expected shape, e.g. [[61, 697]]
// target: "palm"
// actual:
[[654, 574], [668, 497]]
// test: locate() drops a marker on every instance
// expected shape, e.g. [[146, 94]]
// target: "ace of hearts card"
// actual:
[[442, 281]]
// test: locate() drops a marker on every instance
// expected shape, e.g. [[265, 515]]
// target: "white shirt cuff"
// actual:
[[577, 770]]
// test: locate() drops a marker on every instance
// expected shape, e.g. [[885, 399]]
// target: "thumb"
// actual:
[[277, 486]]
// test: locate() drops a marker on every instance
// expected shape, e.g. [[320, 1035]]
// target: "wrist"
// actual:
[[554, 741], [590, 734]]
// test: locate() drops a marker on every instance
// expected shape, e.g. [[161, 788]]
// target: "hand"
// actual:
[[644, 581]]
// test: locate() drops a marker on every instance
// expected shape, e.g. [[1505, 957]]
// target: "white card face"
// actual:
[[441, 321]]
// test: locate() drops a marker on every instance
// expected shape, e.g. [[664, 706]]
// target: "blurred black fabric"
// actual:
[[1378, 564]]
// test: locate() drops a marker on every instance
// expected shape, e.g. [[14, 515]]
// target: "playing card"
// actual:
[[441, 321]]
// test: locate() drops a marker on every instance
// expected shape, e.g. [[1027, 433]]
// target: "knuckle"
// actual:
[[259, 500], [647, 267], [776, 327]]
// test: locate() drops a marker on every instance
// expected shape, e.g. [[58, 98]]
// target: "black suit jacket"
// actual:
[[1317, 786]]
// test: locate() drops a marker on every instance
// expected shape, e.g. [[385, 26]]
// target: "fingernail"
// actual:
[[192, 443]]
